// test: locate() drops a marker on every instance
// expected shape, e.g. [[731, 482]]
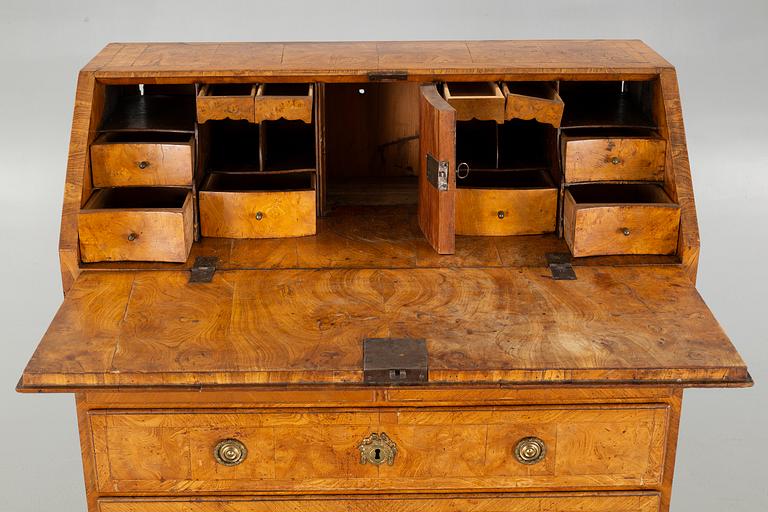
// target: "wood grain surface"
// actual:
[[142, 164], [523, 211], [545, 107], [612, 158]]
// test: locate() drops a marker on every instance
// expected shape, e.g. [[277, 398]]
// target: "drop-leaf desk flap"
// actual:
[[481, 325]]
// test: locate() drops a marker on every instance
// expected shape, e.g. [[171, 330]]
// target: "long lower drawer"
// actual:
[[587, 502], [380, 450]]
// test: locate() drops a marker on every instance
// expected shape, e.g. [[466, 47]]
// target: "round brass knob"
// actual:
[[132, 237], [143, 164], [530, 450], [230, 452], [259, 215], [500, 214], [615, 160], [625, 231]]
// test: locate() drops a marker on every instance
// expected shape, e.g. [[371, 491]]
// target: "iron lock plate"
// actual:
[[203, 269], [560, 266], [395, 361], [437, 173]]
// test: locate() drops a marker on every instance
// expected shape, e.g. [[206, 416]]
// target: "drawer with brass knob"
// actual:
[[467, 449]]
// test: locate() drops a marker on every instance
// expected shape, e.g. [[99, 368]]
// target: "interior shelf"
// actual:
[[152, 112], [607, 105]]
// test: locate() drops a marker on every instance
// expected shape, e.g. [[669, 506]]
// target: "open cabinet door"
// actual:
[[437, 179]]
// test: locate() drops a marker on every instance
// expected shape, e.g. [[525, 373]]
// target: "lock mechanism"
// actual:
[[377, 449]]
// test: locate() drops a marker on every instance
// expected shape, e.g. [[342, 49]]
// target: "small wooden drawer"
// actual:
[[499, 203], [306, 451], [142, 159], [617, 155], [253, 205], [483, 101], [226, 101], [137, 224], [562, 502], [533, 100], [603, 219], [292, 102]]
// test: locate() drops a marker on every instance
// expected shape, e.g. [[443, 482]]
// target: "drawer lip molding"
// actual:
[[452, 449]]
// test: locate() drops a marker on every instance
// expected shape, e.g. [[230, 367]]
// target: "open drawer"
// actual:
[[292, 102], [226, 101], [498, 203], [483, 101], [137, 224], [142, 159], [254, 205], [603, 219], [533, 100]]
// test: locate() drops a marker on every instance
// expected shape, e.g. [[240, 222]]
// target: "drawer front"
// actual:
[[290, 107], [136, 235], [505, 212], [483, 101], [172, 452], [582, 502], [613, 159], [257, 214], [141, 164], [212, 107]]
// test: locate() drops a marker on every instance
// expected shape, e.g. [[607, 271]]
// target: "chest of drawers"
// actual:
[[376, 276]]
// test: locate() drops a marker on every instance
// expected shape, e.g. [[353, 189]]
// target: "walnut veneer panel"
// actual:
[[628, 324]]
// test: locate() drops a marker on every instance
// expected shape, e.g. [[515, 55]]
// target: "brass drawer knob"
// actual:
[[625, 231], [230, 452], [615, 160], [132, 237], [259, 215], [143, 164], [530, 450], [377, 449], [500, 214]]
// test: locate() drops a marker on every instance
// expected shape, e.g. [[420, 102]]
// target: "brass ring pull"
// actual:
[[615, 160], [230, 452], [465, 168], [530, 450], [377, 449], [143, 164]]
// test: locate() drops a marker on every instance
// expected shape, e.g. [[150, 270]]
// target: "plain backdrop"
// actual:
[[719, 49]]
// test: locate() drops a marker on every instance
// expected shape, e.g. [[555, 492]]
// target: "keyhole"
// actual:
[[377, 454]]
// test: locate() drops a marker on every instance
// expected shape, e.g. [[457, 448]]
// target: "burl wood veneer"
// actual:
[[512, 223]]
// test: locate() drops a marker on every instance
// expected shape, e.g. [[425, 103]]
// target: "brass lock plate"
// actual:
[[377, 449]]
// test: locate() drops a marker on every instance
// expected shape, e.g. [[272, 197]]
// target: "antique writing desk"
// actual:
[[448, 276]]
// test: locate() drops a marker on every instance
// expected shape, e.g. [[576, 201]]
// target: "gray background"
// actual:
[[719, 49]]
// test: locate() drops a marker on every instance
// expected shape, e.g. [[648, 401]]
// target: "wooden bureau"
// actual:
[[379, 276]]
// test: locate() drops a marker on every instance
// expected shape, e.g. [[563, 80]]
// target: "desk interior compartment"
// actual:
[[483, 101], [137, 224], [287, 146], [606, 219], [258, 205], [148, 107], [230, 146], [533, 100], [216, 102], [608, 104], [289, 101], [124, 159]]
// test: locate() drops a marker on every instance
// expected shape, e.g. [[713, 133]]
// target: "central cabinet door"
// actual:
[[437, 179]]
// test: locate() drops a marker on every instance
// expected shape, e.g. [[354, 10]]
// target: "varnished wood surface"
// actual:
[[581, 502], [269, 107], [476, 100], [482, 212], [629, 324], [540, 102], [121, 164], [612, 158]]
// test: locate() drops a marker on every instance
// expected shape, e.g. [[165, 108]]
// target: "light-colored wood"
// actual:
[[524, 211], [141, 234], [617, 158], [437, 137], [599, 229], [475, 100], [232, 214], [454, 449], [269, 107], [582, 502], [217, 107], [612, 325], [545, 106], [125, 164]]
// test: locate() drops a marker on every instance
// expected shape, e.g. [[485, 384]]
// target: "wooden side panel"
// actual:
[[144, 164], [236, 214], [437, 122], [614, 158], [581, 502], [505, 212], [461, 449]]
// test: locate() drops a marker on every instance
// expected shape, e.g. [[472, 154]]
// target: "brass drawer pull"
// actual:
[[615, 160], [530, 450], [259, 215], [625, 231], [143, 164], [500, 214], [230, 452], [132, 237], [377, 449]]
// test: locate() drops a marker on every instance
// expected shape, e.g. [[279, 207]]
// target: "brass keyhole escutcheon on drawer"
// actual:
[[530, 450], [230, 452], [377, 449]]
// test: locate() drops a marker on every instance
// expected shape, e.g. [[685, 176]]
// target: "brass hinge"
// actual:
[[559, 264], [203, 269], [437, 173], [395, 361]]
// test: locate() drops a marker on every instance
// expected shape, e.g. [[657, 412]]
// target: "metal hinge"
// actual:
[[387, 76], [395, 361], [203, 269], [437, 173], [559, 264]]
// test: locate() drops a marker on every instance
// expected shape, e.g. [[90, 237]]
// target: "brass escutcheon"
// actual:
[[377, 449], [230, 452], [530, 450]]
